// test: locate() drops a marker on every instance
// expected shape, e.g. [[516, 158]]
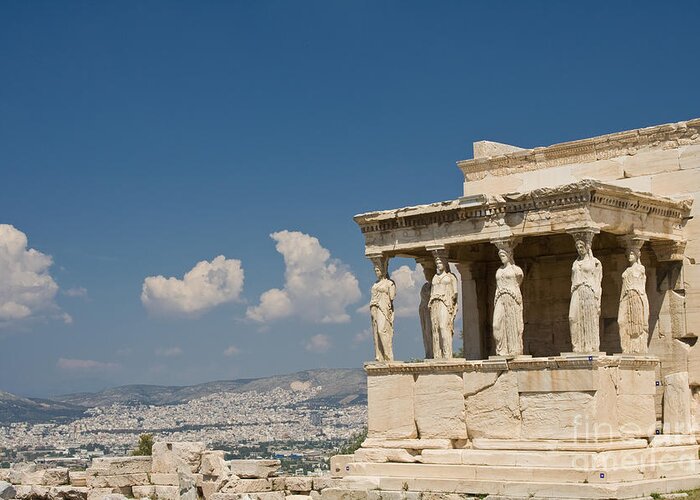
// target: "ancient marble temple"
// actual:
[[580, 297]]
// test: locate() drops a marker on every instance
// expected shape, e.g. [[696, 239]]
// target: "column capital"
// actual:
[[583, 233], [632, 241], [381, 261], [669, 250], [439, 252], [507, 243], [434, 248]]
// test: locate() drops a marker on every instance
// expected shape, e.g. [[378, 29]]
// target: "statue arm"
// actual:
[[392, 290], [519, 275], [597, 285]]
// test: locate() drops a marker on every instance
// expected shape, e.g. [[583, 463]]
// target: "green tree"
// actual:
[[354, 443], [145, 446]]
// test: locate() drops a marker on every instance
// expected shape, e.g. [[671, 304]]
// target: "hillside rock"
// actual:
[[336, 385], [31, 410]]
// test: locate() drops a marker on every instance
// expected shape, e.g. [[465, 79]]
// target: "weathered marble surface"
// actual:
[[574, 397], [508, 304], [390, 407], [443, 307], [633, 315], [381, 309], [677, 404], [586, 294], [426, 324]]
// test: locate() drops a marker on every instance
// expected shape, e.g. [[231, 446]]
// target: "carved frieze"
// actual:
[[538, 212]]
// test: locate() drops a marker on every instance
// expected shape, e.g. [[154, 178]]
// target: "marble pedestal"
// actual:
[[559, 427]]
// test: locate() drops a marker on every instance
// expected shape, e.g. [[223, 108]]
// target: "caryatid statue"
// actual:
[[443, 306], [381, 310], [426, 325], [586, 291], [508, 303], [633, 314]]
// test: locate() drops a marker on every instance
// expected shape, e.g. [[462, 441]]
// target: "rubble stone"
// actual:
[[213, 463], [297, 484], [7, 491], [253, 469], [170, 457], [68, 492], [111, 466]]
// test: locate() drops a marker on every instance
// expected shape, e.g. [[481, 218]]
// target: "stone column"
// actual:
[[586, 292], [669, 280], [507, 325], [443, 305], [677, 403], [428, 265], [381, 309], [472, 335], [633, 311]]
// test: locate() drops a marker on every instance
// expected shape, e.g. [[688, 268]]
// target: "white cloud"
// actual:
[[124, 351], [78, 291], [274, 304], [318, 343], [206, 285], [27, 289], [85, 365], [231, 350], [362, 337], [408, 284], [317, 287], [168, 352]]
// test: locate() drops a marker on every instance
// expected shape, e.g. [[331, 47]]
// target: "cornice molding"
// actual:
[[578, 194], [603, 147], [567, 362]]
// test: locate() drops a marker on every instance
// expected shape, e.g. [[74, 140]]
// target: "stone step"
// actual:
[[558, 445], [541, 490], [527, 474], [560, 458]]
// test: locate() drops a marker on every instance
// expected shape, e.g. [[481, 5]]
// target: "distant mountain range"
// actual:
[[338, 387], [33, 410]]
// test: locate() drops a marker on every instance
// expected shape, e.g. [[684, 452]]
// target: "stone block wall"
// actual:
[[176, 470], [436, 405]]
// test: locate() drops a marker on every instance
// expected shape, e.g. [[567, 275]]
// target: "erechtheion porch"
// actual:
[[592, 239], [539, 224]]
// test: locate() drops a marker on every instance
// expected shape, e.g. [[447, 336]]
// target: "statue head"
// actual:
[[633, 247], [584, 243], [505, 247], [505, 256], [380, 265], [581, 248], [633, 255], [441, 263]]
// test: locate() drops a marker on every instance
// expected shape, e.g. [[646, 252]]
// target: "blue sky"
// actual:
[[140, 138]]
